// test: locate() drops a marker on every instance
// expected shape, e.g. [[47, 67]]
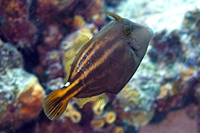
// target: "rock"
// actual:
[[21, 98]]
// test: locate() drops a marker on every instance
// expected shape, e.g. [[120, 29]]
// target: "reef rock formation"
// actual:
[[21, 95]]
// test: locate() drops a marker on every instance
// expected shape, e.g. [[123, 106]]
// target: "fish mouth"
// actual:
[[134, 49]]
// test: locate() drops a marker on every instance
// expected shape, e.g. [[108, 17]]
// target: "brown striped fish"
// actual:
[[103, 64]]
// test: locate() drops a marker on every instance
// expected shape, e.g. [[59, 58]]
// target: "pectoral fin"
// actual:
[[112, 16]]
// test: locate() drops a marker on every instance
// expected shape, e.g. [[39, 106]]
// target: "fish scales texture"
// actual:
[[104, 64]]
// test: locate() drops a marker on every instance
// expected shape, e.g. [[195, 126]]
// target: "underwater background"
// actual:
[[163, 96]]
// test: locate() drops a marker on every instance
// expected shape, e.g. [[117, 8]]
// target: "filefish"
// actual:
[[100, 65]]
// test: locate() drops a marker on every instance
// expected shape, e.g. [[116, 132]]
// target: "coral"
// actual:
[[175, 90], [191, 27], [30, 99], [91, 13], [191, 24], [118, 129], [108, 122], [9, 57], [135, 111], [54, 84], [21, 97], [14, 8], [65, 126], [98, 108], [52, 35], [166, 48], [15, 16], [73, 114], [23, 32], [99, 121], [50, 64], [50, 10], [180, 71], [110, 117], [78, 21], [170, 89]]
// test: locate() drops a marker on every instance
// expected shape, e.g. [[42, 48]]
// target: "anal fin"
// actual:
[[101, 99]]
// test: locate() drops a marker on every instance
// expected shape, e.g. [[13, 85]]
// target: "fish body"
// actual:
[[106, 64], [103, 64]]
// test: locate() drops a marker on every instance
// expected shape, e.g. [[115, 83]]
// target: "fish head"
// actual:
[[137, 36]]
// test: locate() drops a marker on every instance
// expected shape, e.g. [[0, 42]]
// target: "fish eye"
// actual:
[[127, 29]]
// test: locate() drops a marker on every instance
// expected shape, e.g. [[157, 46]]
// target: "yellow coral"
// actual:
[[131, 101], [118, 129], [130, 97], [98, 108], [79, 21], [110, 117], [187, 74], [97, 123], [73, 114], [100, 121], [141, 119], [170, 89], [164, 91], [75, 117], [11, 6]]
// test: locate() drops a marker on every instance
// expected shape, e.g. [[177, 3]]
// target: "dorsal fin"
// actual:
[[69, 55], [78, 42], [112, 16]]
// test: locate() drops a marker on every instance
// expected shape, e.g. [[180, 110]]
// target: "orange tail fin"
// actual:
[[55, 104]]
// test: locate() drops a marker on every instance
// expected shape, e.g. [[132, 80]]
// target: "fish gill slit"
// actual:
[[134, 49]]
